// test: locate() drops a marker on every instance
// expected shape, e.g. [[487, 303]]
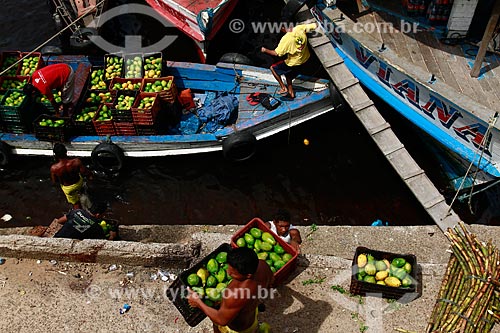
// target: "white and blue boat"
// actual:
[[252, 120], [419, 58]]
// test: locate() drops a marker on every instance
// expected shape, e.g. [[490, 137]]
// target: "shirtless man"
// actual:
[[238, 309], [69, 172]]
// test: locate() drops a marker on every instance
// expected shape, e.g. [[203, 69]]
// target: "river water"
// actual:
[[340, 178]]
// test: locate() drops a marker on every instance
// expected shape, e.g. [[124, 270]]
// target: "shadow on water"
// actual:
[[338, 179]]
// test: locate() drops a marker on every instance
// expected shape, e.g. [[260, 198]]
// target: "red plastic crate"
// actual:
[[282, 274], [105, 127], [145, 116], [168, 95], [123, 128], [122, 80]]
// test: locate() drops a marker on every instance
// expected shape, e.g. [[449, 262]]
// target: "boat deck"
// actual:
[[423, 52]]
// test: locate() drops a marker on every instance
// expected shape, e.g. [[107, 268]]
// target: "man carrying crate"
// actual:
[[238, 311]]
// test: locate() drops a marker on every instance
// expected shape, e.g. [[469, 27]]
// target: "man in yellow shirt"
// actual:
[[294, 45]]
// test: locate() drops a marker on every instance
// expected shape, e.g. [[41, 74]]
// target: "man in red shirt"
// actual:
[[56, 76]]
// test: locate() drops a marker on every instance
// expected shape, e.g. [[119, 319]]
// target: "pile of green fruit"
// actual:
[[114, 66], [152, 67], [133, 67], [124, 102], [126, 85], [13, 84], [29, 65], [99, 98], [158, 85], [266, 247], [211, 279], [97, 80], [15, 98], [104, 114], [146, 102], [87, 113], [7, 62], [51, 123], [393, 274]]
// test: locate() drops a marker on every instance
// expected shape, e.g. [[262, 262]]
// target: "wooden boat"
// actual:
[[200, 20], [237, 139], [428, 72]]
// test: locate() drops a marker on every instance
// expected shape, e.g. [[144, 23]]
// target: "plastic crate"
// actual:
[[147, 66], [9, 58], [83, 127], [17, 128], [177, 291], [103, 127], [126, 129], [282, 274], [13, 82], [133, 66], [97, 80], [145, 116], [135, 82], [123, 115], [167, 93], [114, 69], [25, 69], [20, 113], [48, 133], [362, 288]]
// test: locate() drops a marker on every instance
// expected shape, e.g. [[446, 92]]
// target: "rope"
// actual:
[[51, 38], [485, 138], [490, 126]]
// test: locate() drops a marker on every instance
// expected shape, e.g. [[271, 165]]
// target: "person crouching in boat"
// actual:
[[69, 172], [282, 227], [53, 77], [294, 45]]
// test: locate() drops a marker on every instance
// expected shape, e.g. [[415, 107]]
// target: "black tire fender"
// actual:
[[81, 38], [108, 157], [239, 146], [5, 152], [236, 58]]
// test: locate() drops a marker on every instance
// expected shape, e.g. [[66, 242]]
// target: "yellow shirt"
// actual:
[[288, 45]]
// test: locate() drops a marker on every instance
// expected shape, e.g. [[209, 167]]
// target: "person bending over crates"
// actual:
[[57, 76], [282, 227]]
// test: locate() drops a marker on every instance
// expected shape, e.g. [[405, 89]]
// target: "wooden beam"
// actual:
[[488, 34]]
